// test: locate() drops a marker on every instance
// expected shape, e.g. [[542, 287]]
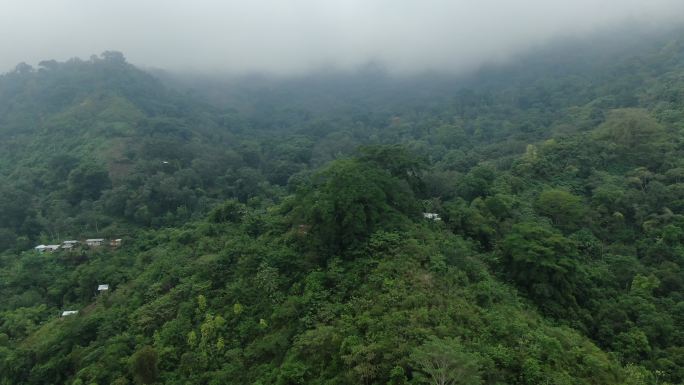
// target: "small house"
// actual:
[[44, 248], [115, 242], [67, 313], [432, 216], [102, 288], [94, 242], [69, 245]]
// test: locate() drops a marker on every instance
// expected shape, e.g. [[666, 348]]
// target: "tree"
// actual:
[[86, 182], [398, 161], [144, 365], [350, 200], [565, 209], [637, 136], [23, 68], [477, 183], [113, 57], [631, 128], [542, 263], [230, 211], [444, 361]]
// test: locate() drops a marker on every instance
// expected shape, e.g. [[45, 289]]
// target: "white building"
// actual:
[[66, 313], [69, 245], [95, 242], [102, 287], [44, 248], [433, 216]]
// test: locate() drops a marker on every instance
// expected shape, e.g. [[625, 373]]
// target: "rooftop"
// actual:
[[433, 216], [69, 312]]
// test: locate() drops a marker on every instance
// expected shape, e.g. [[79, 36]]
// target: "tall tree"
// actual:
[[444, 361]]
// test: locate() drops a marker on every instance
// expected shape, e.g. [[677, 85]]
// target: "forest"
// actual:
[[522, 224]]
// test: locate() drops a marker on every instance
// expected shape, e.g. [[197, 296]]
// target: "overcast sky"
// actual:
[[294, 36]]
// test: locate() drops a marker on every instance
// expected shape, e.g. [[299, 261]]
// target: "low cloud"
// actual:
[[296, 36]]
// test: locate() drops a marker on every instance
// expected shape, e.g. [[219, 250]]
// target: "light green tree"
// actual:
[[444, 361]]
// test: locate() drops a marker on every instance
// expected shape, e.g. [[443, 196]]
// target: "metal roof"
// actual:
[[69, 312]]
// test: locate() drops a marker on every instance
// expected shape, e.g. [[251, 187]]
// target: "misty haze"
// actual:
[[342, 192], [296, 36]]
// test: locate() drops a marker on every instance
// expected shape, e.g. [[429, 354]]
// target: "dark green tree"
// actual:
[[543, 264], [144, 365]]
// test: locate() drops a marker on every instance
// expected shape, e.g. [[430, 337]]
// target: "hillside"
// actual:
[[274, 230], [99, 147]]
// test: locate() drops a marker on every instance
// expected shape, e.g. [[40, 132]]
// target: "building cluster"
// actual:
[[73, 244]]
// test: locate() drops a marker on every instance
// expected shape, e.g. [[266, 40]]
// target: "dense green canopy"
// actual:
[[273, 231]]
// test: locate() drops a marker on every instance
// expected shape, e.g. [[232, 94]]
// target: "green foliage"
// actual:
[[144, 365], [276, 236], [444, 362], [352, 199], [230, 211], [565, 209], [544, 265], [396, 160], [87, 182], [635, 133]]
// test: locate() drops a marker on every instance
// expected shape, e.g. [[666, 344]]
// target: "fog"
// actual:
[[296, 36]]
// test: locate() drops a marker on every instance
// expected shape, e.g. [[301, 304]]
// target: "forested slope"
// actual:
[[273, 231], [89, 145]]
